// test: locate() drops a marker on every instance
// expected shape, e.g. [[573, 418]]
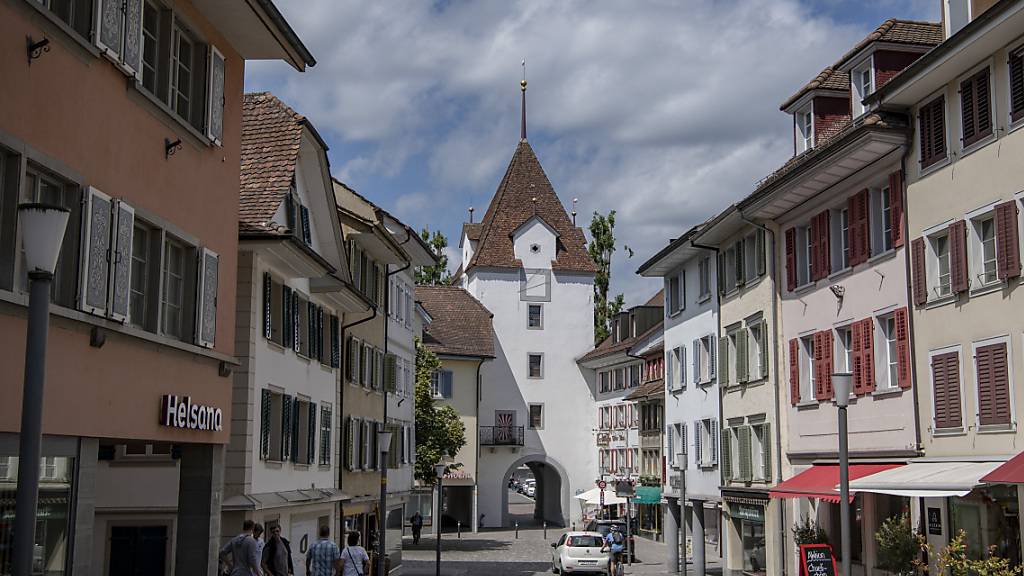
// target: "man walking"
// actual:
[[277, 554], [324, 557], [417, 526], [243, 553], [354, 561]]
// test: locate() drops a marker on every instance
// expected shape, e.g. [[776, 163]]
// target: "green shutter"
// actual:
[[740, 278], [335, 345], [766, 451], [265, 402], [723, 360], [764, 348], [295, 429], [746, 464], [311, 440], [267, 294], [742, 357], [288, 334], [726, 455], [390, 373], [286, 428]]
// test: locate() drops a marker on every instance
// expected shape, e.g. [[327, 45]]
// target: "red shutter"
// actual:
[[827, 362], [993, 384], [1007, 241], [822, 265], [819, 362], [939, 386], [857, 359], [920, 280], [853, 229], [902, 347], [813, 240], [794, 371], [968, 116], [867, 355], [946, 386], [864, 207], [959, 278], [791, 259], [896, 207]]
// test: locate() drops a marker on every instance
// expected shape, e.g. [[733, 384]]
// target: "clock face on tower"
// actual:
[[535, 285]]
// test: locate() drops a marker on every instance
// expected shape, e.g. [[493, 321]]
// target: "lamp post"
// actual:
[[439, 470], [42, 231], [841, 383], [384, 441]]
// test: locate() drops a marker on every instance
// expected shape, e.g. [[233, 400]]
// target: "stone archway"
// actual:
[[552, 498]]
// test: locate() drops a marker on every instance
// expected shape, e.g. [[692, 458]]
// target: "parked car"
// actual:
[[579, 552], [603, 527], [531, 490]]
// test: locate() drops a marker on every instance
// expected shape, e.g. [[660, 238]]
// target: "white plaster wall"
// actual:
[[299, 525], [534, 232], [698, 319], [567, 395], [401, 406], [619, 437]]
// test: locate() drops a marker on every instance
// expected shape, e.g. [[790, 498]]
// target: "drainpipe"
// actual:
[[476, 470], [775, 363]]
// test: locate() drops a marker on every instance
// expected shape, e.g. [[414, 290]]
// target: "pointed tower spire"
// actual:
[[522, 84]]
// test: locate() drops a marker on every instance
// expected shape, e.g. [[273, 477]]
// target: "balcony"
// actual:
[[501, 435]]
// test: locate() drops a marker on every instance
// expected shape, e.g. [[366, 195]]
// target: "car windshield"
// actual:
[[583, 542]]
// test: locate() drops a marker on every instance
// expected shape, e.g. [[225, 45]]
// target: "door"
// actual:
[[504, 426], [137, 551], [303, 536]]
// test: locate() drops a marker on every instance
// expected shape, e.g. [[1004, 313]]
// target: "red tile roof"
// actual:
[[271, 136], [460, 325], [827, 79], [471, 231], [607, 347], [526, 192], [648, 390]]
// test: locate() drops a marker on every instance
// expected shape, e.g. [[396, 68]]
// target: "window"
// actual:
[[1016, 77], [677, 371], [804, 129], [605, 381], [844, 349], [807, 374], [75, 13], [536, 368], [441, 384], [677, 292], [984, 249], [703, 359], [535, 316], [704, 272], [931, 119], [891, 378], [188, 76], [881, 221], [326, 427], [140, 283], [750, 257], [173, 297], [730, 270], [754, 349], [45, 187], [536, 416], [946, 393], [802, 255], [287, 428], [706, 442], [975, 108], [841, 241], [634, 375], [991, 363], [940, 248], [862, 82], [760, 452]]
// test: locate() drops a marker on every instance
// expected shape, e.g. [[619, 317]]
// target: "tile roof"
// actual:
[[648, 389], [513, 204], [471, 230], [827, 79], [271, 136], [657, 300], [607, 347], [461, 326]]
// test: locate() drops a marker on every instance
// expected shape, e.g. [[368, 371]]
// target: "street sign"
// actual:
[[602, 485], [602, 498]]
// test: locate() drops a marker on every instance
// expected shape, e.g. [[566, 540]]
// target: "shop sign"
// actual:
[[625, 489], [817, 560], [747, 512], [180, 412], [935, 521]]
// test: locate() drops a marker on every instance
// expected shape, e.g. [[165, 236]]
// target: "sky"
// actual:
[[664, 111]]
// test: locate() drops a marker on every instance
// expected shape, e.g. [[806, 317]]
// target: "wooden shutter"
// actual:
[[304, 215], [740, 251], [726, 454], [97, 233], [946, 390], [390, 373], [821, 259], [766, 451], [764, 349], [794, 371], [669, 371], [286, 428], [335, 342], [723, 360], [287, 332], [712, 365], [296, 322], [968, 116], [110, 27], [860, 227], [760, 256], [1007, 241], [867, 354], [857, 358], [901, 320], [265, 402], [696, 360], [791, 273], [697, 448], [349, 443], [959, 277], [993, 384], [932, 128], [714, 441], [742, 356], [121, 268], [132, 53], [670, 442], [311, 438], [721, 273], [896, 208], [975, 108], [823, 365], [268, 290], [209, 273], [1016, 66], [746, 460], [446, 384], [920, 279], [217, 72]]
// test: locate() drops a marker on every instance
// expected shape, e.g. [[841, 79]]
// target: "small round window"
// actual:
[[535, 248]]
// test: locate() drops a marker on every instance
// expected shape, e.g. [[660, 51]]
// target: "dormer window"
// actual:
[[862, 82], [804, 129]]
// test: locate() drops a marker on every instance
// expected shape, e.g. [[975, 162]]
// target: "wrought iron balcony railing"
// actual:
[[501, 435]]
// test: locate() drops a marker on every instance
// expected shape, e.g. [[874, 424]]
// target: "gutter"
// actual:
[[293, 39]]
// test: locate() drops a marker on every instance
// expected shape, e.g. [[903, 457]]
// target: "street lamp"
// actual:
[[841, 383], [439, 470], [42, 232], [384, 441]]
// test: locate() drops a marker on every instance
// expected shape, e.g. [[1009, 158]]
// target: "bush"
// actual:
[[897, 545], [809, 532], [953, 560]]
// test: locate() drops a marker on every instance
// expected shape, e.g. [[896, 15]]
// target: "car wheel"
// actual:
[[554, 569]]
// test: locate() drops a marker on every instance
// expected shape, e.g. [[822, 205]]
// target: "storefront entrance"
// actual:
[[989, 516], [749, 522]]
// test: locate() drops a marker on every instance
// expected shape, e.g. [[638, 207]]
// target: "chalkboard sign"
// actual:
[[817, 560], [935, 521]]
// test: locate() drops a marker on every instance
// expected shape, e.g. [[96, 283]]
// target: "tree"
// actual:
[[439, 431], [601, 248], [438, 273]]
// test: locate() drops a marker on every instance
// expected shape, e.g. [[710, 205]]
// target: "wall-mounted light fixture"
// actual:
[[97, 337], [171, 147], [36, 48]]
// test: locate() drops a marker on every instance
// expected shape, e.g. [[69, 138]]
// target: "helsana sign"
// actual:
[[180, 412]]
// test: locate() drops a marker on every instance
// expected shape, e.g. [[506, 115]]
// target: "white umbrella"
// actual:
[[593, 496]]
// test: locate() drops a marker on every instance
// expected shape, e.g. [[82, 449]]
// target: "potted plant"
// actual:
[[897, 545], [809, 532]]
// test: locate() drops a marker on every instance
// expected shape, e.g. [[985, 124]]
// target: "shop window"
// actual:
[[856, 530], [52, 531]]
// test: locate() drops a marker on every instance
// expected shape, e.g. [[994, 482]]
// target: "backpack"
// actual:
[[617, 537]]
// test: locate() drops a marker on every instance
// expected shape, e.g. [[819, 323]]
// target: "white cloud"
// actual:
[[664, 111]]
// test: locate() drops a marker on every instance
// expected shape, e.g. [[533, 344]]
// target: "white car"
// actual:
[[579, 552], [531, 490]]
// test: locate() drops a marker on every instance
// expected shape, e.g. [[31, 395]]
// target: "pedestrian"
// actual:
[[240, 554], [257, 533], [324, 557], [417, 526], [277, 555], [354, 561]]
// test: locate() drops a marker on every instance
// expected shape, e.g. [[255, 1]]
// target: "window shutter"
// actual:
[[714, 441], [268, 288], [682, 366], [920, 280], [900, 319], [1007, 241], [121, 269], [132, 57], [390, 373], [265, 401], [932, 120], [766, 451], [746, 464], [669, 371], [822, 366], [288, 333], [764, 349], [896, 208], [217, 71], [1017, 86], [959, 278], [982, 94], [698, 454], [976, 108], [311, 331], [742, 356], [297, 322], [325, 435], [760, 257], [712, 365], [670, 441], [349, 442], [304, 214], [721, 273], [827, 362], [295, 429], [791, 274], [311, 439], [968, 113], [350, 359], [821, 264], [794, 371], [993, 384], [683, 447], [946, 383], [320, 334], [867, 351], [863, 202], [286, 427], [97, 252], [335, 342], [446, 384], [857, 358], [696, 361], [209, 276], [726, 456], [723, 360], [741, 278], [110, 27]]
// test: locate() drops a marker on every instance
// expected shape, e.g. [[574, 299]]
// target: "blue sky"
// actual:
[[665, 111]]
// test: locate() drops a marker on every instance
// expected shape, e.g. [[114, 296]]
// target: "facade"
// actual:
[[458, 330], [135, 343], [838, 208], [691, 395], [530, 259], [963, 205], [649, 399], [754, 528]]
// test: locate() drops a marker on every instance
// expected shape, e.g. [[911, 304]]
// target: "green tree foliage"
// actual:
[[601, 248], [439, 432], [437, 274], [897, 545], [955, 561], [809, 532]]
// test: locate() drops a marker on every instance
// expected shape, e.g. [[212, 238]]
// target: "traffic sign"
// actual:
[[602, 485]]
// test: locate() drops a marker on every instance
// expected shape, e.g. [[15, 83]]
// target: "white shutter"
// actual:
[[121, 270], [697, 433], [712, 361], [670, 441], [110, 27], [714, 441], [132, 54], [217, 73], [412, 444], [668, 371], [96, 275], [696, 361], [682, 367], [209, 265]]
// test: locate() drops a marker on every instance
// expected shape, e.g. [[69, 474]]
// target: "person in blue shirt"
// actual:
[[615, 543]]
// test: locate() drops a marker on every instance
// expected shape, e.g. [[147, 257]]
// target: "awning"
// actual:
[[648, 495], [1011, 472], [820, 481], [268, 500], [927, 479], [593, 496]]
